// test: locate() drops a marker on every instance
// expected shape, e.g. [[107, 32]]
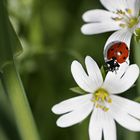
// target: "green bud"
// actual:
[[137, 34]]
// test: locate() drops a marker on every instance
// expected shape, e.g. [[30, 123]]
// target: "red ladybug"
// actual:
[[116, 54]]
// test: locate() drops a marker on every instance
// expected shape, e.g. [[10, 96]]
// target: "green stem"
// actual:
[[19, 103], [137, 59]]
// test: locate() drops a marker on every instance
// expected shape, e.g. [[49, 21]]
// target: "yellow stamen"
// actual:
[[129, 11], [117, 18], [109, 100], [120, 12], [100, 97], [122, 25], [106, 109]]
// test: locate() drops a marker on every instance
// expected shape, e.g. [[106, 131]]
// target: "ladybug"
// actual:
[[116, 54]]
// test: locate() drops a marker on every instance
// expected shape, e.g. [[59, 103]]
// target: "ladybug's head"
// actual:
[[112, 65]]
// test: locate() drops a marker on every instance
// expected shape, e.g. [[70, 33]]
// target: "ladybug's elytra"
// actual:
[[118, 51], [116, 54]]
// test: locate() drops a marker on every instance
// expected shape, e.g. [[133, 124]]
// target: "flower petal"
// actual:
[[134, 5], [128, 106], [75, 116], [124, 118], [113, 5], [122, 69], [95, 125], [109, 127], [114, 84], [81, 78], [94, 71], [118, 74], [98, 15], [71, 104], [101, 27]]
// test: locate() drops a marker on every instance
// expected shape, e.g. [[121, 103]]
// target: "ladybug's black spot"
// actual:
[[120, 52], [124, 58], [127, 48], [112, 49]]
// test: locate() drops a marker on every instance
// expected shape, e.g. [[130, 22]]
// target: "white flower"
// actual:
[[122, 15], [106, 107]]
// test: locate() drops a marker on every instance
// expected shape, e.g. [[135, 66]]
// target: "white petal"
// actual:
[[94, 71], [122, 69], [109, 127], [81, 78], [128, 106], [98, 15], [114, 5], [101, 27], [114, 84], [71, 104], [118, 74], [124, 118], [75, 116], [127, 121], [95, 125], [134, 5]]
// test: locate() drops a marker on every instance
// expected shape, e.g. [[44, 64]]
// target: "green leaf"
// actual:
[[14, 40], [78, 90], [103, 71], [9, 42]]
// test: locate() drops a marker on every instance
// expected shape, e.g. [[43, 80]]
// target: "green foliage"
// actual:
[[103, 71], [49, 31], [78, 90], [9, 43]]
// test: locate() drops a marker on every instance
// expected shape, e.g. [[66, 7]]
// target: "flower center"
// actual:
[[126, 19], [101, 98]]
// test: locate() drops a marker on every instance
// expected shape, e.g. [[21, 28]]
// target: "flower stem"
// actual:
[[136, 49], [19, 103]]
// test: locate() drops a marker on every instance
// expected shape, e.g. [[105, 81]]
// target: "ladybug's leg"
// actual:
[[115, 71]]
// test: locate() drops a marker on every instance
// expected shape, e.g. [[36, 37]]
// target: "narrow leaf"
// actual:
[[78, 90], [9, 42], [103, 71]]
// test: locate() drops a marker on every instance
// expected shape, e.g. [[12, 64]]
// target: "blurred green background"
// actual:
[[49, 31]]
